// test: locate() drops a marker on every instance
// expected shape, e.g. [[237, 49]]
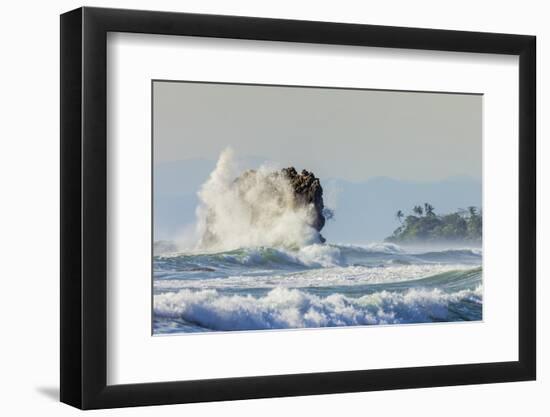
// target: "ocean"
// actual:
[[317, 285]]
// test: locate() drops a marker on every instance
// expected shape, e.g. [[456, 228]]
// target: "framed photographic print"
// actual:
[[257, 207]]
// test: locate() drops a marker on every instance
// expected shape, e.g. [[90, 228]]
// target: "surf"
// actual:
[[281, 308], [317, 286]]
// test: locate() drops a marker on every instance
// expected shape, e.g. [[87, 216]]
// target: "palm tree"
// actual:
[[418, 210], [428, 209], [399, 215]]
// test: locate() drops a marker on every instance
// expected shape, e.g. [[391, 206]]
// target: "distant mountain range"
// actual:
[[364, 212]]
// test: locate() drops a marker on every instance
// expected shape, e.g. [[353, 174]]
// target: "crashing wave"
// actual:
[[264, 207], [292, 308], [247, 261]]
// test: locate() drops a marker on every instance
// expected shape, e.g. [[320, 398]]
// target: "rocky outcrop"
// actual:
[[308, 190], [256, 209]]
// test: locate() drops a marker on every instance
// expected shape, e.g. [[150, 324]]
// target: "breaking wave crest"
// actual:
[[248, 260], [292, 308], [318, 285]]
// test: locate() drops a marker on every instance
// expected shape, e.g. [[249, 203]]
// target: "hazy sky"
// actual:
[[337, 133]]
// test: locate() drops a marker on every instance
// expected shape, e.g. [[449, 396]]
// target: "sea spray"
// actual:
[[252, 209]]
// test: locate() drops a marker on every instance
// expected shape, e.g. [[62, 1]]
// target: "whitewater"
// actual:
[[316, 286], [254, 261]]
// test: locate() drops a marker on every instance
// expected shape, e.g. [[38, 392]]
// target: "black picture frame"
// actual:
[[84, 207]]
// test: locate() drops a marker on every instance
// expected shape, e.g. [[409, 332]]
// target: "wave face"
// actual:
[[316, 285], [243, 210]]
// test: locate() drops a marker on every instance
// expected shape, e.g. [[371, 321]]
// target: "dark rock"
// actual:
[[308, 190], [307, 193]]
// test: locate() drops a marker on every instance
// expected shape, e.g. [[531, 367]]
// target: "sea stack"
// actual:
[[308, 190], [264, 208]]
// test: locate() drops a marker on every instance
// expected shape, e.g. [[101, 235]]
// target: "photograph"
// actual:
[[294, 207], [283, 203]]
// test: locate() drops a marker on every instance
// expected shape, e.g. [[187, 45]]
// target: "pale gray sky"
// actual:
[[337, 133]]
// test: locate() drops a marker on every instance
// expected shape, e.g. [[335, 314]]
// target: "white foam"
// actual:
[[256, 210], [291, 308], [327, 277]]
